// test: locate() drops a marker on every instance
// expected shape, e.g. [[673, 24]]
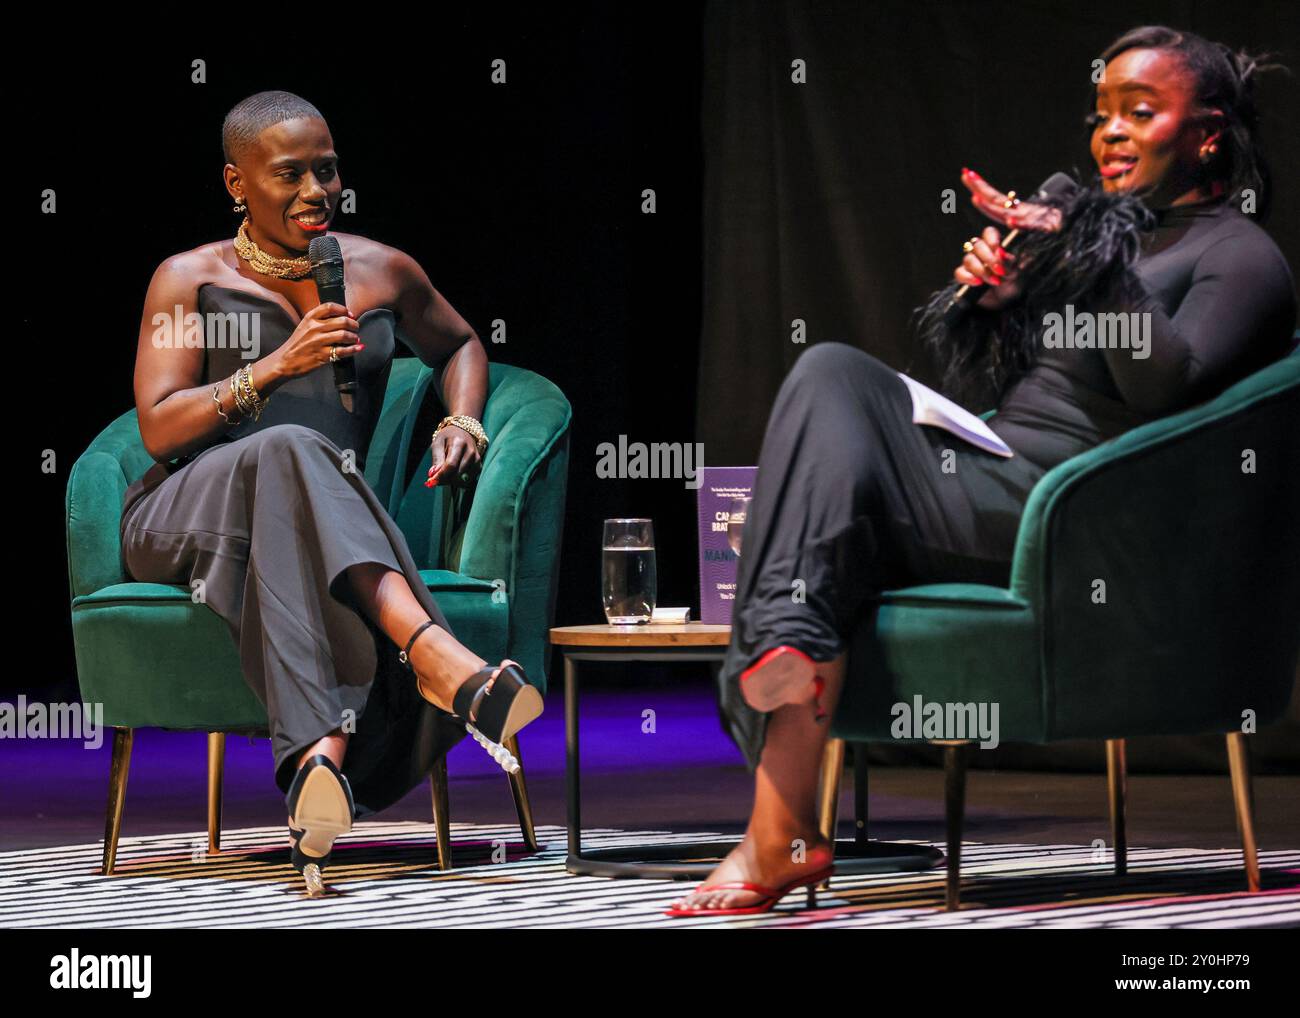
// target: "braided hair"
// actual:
[[251, 116]]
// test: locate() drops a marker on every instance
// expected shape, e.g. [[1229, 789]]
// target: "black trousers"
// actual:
[[270, 524], [852, 498]]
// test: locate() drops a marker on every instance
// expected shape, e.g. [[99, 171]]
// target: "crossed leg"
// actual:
[[441, 660]]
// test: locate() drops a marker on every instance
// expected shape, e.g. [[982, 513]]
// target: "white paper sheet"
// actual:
[[930, 408]]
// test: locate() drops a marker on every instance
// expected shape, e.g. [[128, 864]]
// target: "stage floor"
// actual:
[[1029, 858], [385, 877]]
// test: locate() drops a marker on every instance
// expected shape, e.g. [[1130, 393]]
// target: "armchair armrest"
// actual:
[[526, 419], [97, 484], [513, 527], [1170, 442], [1157, 562]]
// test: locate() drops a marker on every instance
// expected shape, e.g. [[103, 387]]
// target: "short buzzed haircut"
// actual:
[[251, 116]]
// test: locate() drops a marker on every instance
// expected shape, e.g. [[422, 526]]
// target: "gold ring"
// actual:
[[334, 354], [969, 245], [1012, 201]]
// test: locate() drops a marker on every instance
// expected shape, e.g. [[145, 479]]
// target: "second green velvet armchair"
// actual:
[[1155, 589]]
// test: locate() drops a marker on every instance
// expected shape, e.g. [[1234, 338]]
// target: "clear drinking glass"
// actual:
[[736, 517], [628, 584]]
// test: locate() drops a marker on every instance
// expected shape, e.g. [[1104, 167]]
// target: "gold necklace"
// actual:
[[269, 265]]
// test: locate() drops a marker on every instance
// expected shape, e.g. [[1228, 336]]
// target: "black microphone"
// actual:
[[1056, 186], [326, 259]]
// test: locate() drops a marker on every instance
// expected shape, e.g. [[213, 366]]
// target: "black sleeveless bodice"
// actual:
[[240, 327]]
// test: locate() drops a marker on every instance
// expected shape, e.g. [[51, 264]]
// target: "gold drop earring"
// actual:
[[240, 206]]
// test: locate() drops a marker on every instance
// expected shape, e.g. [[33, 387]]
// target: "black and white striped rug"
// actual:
[[385, 876]]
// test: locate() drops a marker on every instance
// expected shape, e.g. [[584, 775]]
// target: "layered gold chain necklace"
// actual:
[[269, 265]]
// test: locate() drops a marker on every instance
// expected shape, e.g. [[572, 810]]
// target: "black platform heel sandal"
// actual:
[[320, 809], [490, 715]]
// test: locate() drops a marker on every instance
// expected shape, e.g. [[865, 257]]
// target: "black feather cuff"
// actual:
[[1089, 257]]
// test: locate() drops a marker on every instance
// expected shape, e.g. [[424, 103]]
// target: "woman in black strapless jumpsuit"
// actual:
[[258, 499], [269, 520]]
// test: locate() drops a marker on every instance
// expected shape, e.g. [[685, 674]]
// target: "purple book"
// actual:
[[718, 563]]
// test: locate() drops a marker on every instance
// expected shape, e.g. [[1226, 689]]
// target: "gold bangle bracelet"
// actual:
[[469, 424], [240, 400], [237, 397], [251, 395]]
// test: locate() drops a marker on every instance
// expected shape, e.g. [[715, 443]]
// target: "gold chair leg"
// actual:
[[1117, 783], [1243, 797], [828, 793], [216, 773], [860, 800], [954, 794], [118, 771], [441, 812], [519, 791]]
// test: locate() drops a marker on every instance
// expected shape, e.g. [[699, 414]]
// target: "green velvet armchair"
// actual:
[[154, 658], [1155, 590]]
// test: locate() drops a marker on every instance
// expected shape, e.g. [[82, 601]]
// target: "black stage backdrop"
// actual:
[[818, 201], [823, 200], [521, 201]]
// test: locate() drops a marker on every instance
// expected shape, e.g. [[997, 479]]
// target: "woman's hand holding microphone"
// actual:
[[988, 263], [326, 332]]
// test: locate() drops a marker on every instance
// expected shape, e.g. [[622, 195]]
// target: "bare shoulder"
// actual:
[[186, 271], [378, 261]]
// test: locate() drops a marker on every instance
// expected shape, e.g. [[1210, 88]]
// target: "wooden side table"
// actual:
[[695, 641]]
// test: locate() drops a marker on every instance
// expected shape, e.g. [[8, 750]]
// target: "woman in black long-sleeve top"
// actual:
[[852, 497]]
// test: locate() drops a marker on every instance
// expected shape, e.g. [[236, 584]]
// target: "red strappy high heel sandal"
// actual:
[[779, 677], [771, 895]]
